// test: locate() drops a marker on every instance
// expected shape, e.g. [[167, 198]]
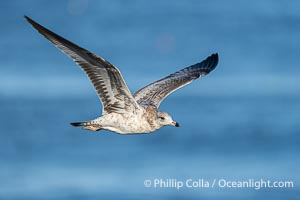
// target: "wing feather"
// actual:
[[106, 78], [154, 93]]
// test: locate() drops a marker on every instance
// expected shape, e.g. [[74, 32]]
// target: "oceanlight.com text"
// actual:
[[217, 183]]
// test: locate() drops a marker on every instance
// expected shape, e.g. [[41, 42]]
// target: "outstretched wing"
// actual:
[[106, 78], [155, 93]]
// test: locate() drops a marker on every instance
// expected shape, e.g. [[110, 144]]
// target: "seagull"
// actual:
[[122, 112]]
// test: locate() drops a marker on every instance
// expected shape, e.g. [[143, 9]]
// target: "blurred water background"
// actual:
[[240, 122]]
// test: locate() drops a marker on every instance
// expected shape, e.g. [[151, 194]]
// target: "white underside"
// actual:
[[127, 123]]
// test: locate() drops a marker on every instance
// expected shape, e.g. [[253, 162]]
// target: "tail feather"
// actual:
[[87, 126], [78, 123]]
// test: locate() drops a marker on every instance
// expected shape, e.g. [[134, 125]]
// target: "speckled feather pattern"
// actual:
[[123, 112], [143, 121]]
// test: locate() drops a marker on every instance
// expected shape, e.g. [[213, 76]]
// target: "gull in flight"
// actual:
[[123, 112]]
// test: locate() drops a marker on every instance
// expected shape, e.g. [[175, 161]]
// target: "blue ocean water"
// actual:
[[240, 122]]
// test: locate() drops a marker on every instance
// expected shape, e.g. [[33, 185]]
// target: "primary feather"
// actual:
[[155, 93]]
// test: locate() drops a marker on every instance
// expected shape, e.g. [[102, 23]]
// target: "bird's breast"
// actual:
[[142, 121]]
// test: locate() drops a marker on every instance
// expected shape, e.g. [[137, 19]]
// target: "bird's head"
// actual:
[[165, 119]]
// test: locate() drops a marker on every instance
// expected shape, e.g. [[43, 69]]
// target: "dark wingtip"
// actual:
[[28, 18], [214, 58], [33, 23], [212, 61]]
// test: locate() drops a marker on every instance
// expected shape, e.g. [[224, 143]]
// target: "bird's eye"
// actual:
[[161, 118]]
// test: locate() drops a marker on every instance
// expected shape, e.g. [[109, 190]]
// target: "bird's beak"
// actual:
[[175, 124]]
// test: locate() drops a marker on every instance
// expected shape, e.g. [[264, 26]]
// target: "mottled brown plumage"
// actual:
[[123, 112]]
